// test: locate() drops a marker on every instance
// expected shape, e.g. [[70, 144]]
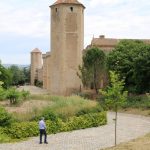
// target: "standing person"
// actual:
[[42, 128]]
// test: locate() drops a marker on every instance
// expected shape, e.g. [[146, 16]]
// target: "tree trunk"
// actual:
[[116, 125]]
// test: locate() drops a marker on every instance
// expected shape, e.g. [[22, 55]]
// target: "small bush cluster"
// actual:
[[141, 101], [29, 129], [13, 95], [5, 118], [2, 94], [4, 137]]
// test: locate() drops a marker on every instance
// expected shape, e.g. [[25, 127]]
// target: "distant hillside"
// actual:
[[20, 66]]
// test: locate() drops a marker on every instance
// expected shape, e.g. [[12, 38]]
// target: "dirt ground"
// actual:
[[26, 106], [33, 89]]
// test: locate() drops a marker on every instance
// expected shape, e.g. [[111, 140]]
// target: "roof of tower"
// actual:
[[67, 2], [36, 50]]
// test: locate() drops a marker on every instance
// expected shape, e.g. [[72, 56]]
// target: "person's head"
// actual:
[[42, 118]]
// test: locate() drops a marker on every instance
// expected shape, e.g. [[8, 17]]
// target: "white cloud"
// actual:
[[32, 21], [94, 3], [113, 18], [119, 19]]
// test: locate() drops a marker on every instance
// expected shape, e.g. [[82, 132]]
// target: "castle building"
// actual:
[[58, 72], [36, 65], [60, 66], [107, 44]]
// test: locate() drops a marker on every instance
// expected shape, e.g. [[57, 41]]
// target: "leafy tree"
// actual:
[[85, 76], [18, 76], [13, 95], [93, 66], [26, 72], [5, 77], [114, 96], [131, 59]]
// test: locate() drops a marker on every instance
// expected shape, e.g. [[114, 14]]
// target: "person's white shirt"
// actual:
[[42, 124]]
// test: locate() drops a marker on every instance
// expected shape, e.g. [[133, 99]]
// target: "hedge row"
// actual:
[[29, 129]]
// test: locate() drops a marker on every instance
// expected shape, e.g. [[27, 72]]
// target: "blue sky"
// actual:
[[25, 25]]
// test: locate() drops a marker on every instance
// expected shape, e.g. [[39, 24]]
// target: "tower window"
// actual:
[[56, 9], [71, 8]]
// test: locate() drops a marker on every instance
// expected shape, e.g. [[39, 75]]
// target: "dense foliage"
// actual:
[[92, 68], [29, 129], [20, 76], [14, 75], [5, 76], [5, 118], [137, 101], [131, 59]]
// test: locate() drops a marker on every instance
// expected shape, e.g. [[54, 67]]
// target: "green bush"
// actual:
[[83, 111], [29, 129], [2, 94], [86, 121], [137, 101], [25, 94], [47, 114], [3, 137], [22, 130], [5, 117], [14, 96]]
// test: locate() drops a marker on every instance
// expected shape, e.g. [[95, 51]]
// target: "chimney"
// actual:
[[102, 36]]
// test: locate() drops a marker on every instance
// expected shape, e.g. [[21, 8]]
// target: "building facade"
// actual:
[[58, 72], [36, 66], [60, 66]]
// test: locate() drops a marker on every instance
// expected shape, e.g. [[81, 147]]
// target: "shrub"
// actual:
[[4, 137], [47, 114], [29, 129], [22, 130], [5, 117], [25, 94], [2, 94], [14, 96], [86, 121], [83, 111], [137, 101]]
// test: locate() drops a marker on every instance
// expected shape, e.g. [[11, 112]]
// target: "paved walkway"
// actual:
[[129, 127]]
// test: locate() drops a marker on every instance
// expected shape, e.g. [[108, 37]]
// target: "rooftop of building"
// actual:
[[36, 50], [102, 41], [67, 2]]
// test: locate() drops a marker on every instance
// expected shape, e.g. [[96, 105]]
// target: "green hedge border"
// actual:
[[30, 129]]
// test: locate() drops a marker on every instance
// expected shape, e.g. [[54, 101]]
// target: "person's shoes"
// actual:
[[40, 142], [46, 142]]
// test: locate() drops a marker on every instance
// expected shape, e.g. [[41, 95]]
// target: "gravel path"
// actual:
[[33, 89], [129, 127]]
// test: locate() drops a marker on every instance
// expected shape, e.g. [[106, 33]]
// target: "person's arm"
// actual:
[[44, 125]]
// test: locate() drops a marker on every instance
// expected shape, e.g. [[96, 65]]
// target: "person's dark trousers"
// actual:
[[43, 131]]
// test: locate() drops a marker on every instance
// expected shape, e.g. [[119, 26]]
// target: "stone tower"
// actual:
[[67, 43], [36, 63]]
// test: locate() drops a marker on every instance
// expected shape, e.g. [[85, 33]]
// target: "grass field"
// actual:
[[62, 106]]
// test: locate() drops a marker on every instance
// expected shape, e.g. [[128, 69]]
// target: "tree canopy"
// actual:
[[5, 76], [131, 59], [93, 66], [19, 75]]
